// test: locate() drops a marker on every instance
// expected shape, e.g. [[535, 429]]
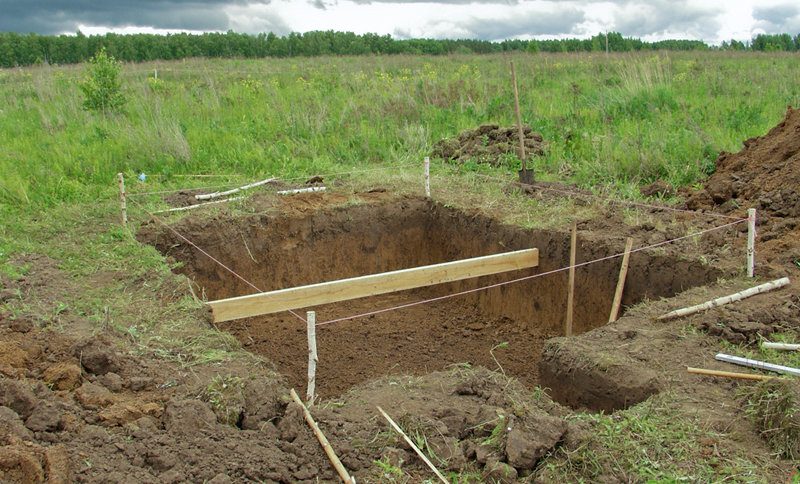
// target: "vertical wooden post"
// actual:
[[156, 73], [427, 176], [571, 294], [519, 117], [311, 325], [751, 242], [623, 273], [122, 201]]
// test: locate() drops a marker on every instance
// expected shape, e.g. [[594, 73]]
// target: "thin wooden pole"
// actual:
[[519, 117], [729, 374], [571, 294], [311, 325], [623, 273], [123, 202], [413, 446], [427, 176], [751, 242], [337, 464]]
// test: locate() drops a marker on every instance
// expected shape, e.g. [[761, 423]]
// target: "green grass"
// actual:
[[612, 120]]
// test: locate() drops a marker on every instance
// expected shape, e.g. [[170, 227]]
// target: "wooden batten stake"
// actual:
[[122, 201], [571, 294], [311, 325], [623, 273], [519, 117], [323, 441], [729, 374], [413, 446], [751, 242], [427, 176]]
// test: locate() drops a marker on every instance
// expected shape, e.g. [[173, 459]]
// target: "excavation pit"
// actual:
[[502, 328]]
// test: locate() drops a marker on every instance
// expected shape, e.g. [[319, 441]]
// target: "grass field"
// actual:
[[613, 122]]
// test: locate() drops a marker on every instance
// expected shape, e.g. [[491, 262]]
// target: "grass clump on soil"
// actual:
[[774, 407], [226, 399]]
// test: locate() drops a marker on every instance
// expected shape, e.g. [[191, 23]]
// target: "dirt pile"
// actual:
[[489, 143], [765, 174]]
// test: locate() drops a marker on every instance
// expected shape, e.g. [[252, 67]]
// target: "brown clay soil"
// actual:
[[74, 407]]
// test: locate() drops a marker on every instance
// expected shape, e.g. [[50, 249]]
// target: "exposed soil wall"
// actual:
[[502, 326]]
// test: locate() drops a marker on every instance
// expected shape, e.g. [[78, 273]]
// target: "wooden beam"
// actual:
[[372, 285]]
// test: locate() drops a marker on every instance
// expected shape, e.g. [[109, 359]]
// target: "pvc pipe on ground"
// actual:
[[736, 360], [780, 346]]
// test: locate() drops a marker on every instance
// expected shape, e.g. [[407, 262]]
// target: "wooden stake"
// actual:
[[326, 446], [123, 202], [413, 446], [427, 176], [571, 294], [311, 325], [751, 242], [769, 286], [519, 117], [623, 273], [729, 374]]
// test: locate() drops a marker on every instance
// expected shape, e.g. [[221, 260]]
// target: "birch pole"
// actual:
[[427, 176], [751, 242], [311, 325], [122, 201], [721, 301]]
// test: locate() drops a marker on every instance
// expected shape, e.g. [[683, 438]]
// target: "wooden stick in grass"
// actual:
[[729, 374], [623, 273], [769, 286], [326, 446], [416, 449]]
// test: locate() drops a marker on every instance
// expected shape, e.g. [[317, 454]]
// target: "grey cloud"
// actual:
[[440, 2], [561, 21], [776, 14], [778, 19], [55, 16], [663, 17]]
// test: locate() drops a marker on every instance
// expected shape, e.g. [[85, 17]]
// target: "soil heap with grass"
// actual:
[[490, 144]]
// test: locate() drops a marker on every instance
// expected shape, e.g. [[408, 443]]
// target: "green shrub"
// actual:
[[101, 84]]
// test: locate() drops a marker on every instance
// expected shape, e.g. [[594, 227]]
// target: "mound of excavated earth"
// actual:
[[489, 143]]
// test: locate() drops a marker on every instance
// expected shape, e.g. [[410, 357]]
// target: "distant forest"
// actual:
[[24, 50]]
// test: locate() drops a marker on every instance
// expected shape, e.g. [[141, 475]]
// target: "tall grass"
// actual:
[[611, 120]]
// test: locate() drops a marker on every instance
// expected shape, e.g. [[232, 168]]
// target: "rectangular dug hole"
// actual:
[[502, 328]]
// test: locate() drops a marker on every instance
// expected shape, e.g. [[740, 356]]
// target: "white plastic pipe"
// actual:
[[780, 346], [736, 360]]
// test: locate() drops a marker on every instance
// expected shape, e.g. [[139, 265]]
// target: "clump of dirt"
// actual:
[[490, 144], [765, 174]]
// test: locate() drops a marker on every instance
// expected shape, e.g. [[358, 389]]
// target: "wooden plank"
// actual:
[[372, 285]]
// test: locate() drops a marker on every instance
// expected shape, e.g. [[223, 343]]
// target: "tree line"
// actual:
[[24, 50]]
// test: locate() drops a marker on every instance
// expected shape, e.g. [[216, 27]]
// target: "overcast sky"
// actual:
[[708, 20]]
